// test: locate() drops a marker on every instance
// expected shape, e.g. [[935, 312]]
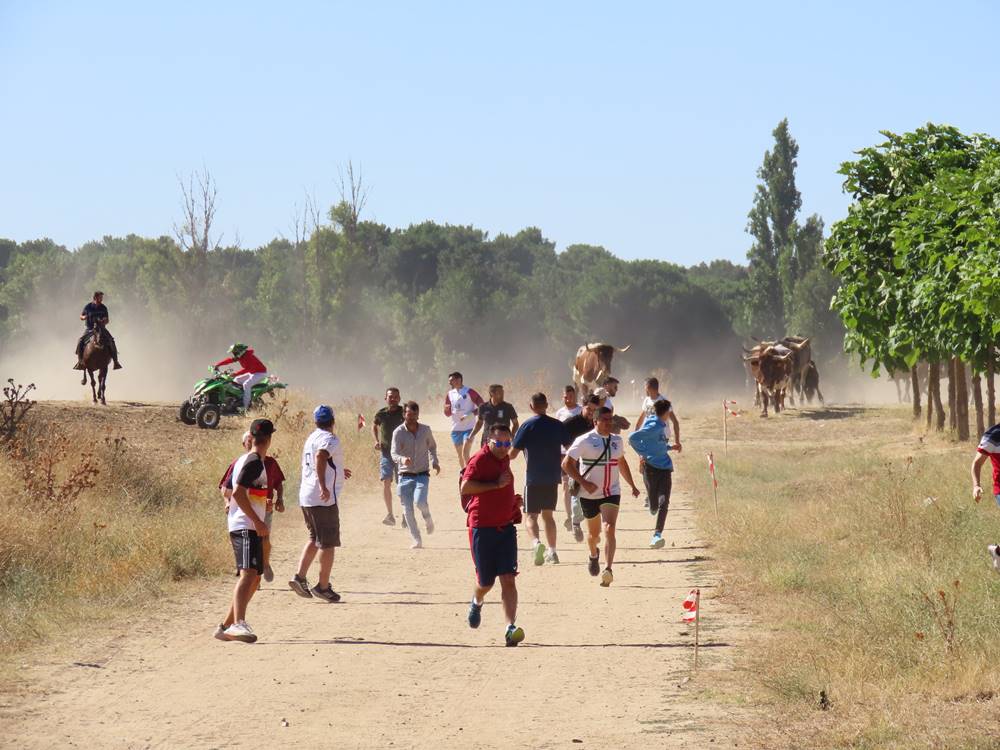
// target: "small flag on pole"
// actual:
[[690, 605], [361, 421], [728, 406], [711, 470]]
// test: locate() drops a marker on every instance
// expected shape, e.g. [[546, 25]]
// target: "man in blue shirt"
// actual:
[[651, 443], [95, 313], [541, 438]]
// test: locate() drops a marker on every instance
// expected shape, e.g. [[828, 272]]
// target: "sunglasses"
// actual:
[[502, 443]]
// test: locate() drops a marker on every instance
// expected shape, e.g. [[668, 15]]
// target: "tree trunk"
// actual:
[[931, 380], [961, 400], [991, 408], [938, 406], [952, 416], [915, 387], [977, 397]]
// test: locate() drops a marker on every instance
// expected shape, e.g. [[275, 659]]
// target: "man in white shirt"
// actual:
[[648, 409], [568, 410], [323, 478], [595, 460], [245, 519], [461, 405], [415, 453]]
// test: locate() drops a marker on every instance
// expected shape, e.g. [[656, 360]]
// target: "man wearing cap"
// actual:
[[95, 313], [323, 477], [415, 453], [247, 529]]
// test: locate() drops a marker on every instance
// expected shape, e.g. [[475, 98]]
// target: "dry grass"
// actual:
[[854, 540], [104, 509]]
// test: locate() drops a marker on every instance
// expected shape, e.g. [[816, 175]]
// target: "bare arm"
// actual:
[[514, 424], [477, 428], [977, 465], [279, 498], [242, 499], [572, 468], [677, 430], [626, 473], [375, 435], [324, 491]]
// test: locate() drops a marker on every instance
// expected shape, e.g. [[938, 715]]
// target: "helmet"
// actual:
[[238, 350]]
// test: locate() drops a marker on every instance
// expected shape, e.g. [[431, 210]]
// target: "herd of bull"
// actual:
[[782, 367]]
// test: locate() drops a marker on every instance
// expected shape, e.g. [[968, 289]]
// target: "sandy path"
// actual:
[[395, 664]]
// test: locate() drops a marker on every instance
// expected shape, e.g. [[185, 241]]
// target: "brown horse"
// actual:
[[97, 357]]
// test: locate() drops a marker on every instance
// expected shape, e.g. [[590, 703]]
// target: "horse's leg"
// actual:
[[103, 381], [93, 384]]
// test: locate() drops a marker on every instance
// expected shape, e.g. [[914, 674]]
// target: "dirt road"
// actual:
[[395, 664]]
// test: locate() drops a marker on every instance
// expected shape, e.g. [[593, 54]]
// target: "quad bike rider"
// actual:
[[253, 370], [93, 314]]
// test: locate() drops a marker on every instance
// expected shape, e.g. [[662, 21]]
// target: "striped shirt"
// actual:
[[598, 458]]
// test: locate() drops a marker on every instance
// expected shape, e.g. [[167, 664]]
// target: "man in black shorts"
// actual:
[[247, 528], [542, 439], [595, 460]]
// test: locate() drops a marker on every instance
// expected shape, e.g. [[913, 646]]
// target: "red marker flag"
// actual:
[[728, 409], [690, 605], [711, 470], [361, 421]]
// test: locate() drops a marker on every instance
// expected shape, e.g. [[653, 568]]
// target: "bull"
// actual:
[[810, 384], [592, 366], [801, 359], [771, 366]]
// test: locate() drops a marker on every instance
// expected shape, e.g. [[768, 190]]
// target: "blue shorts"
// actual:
[[997, 498], [494, 553], [460, 436], [387, 469]]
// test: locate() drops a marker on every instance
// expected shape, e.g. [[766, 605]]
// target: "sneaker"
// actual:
[[577, 532], [475, 614], [657, 542], [552, 557], [327, 594], [417, 545], [514, 635], [539, 553], [607, 577], [240, 631], [220, 633], [592, 565], [995, 556], [390, 520], [268, 573], [300, 586], [568, 524], [430, 524]]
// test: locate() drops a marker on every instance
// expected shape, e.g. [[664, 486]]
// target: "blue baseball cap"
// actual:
[[323, 413]]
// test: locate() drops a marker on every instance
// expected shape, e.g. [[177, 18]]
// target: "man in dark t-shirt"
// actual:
[[94, 314], [495, 411], [386, 420]]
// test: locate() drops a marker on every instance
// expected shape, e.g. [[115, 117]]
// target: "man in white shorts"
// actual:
[[595, 460]]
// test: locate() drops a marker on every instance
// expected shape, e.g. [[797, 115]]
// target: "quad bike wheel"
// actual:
[[208, 416]]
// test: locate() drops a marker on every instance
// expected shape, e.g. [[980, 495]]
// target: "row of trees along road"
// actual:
[[918, 258]]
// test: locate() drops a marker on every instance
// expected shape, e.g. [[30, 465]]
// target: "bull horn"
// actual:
[[625, 349], [785, 356]]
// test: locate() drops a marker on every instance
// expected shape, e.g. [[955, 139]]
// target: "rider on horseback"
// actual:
[[95, 313], [253, 371]]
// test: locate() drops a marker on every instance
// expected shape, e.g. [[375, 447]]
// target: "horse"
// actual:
[[96, 357]]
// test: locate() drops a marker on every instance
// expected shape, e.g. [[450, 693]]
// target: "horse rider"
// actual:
[[253, 371], [93, 313]]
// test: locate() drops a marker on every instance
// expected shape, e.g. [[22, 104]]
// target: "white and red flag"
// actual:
[[711, 470], [728, 406], [690, 605], [361, 421]]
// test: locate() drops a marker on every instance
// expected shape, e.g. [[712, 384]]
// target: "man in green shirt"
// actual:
[[386, 420]]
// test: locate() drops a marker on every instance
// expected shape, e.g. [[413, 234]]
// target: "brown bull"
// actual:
[[801, 359], [592, 366], [771, 367]]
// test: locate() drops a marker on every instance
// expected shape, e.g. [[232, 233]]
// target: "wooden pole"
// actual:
[[715, 485], [697, 622], [725, 427]]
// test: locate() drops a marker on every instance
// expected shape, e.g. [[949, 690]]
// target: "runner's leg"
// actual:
[[550, 528], [531, 522], [420, 492], [306, 558], [508, 593], [664, 501], [593, 534], [325, 566], [407, 485], [609, 519], [246, 584]]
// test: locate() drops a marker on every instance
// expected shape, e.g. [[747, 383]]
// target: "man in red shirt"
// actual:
[[989, 447], [492, 507], [253, 370]]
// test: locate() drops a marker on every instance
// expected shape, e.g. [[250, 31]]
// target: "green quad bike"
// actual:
[[218, 395]]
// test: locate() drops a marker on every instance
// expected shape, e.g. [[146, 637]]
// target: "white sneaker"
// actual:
[[220, 633], [995, 556], [416, 545], [607, 577], [240, 631]]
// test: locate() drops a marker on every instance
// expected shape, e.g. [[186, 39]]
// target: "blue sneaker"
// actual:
[[475, 614], [657, 542], [514, 635]]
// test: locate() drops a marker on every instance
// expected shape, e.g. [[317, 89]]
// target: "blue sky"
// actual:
[[638, 127]]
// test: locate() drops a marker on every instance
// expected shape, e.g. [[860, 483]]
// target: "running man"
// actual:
[[320, 492], [576, 426], [542, 439], [989, 447], [599, 455], [251, 372], [607, 392], [495, 411], [275, 497], [652, 396], [461, 405], [493, 512], [386, 420], [247, 529], [415, 453], [652, 444], [569, 409]]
